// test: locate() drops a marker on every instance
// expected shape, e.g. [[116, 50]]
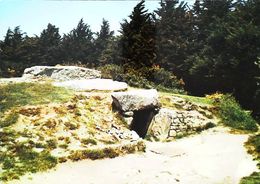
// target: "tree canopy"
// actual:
[[213, 46]]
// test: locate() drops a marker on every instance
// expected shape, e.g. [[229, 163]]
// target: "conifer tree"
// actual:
[[77, 46], [102, 42], [138, 39], [173, 35], [12, 53], [49, 45]]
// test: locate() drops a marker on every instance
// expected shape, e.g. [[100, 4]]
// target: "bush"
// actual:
[[89, 141], [111, 71], [233, 115], [166, 78], [254, 178], [155, 77], [166, 81], [253, 145], [132, 77]]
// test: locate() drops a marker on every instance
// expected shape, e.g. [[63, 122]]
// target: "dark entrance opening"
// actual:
[[142, 120]]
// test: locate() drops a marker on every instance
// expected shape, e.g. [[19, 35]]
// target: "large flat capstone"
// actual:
[[135, 100], [61, 73], [93, 84]]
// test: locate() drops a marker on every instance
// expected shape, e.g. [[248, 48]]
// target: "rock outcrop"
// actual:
[[61, 73], [136, 100]]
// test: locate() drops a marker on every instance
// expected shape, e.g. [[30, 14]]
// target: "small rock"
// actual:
[[134, 135], [128, 114], [128, 120]]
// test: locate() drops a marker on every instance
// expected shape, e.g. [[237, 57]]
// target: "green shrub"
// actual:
[[233, 115], [133, 78], [254, 178], [253, 145], [111, 71], [166, 79], [52, 143], [157, 78]]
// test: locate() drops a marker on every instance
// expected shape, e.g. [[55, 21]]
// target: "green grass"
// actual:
[[20, 94], [233, 115], [20, 157], [90, 141], [195, 99], [166, 102], [13, 96], [253, 146], [10, 119]]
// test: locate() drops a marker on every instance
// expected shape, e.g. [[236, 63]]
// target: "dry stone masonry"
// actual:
[[141, 109], [187, 118]]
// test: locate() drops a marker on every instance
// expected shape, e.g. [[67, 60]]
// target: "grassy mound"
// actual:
[[42, 125], [19, 157]]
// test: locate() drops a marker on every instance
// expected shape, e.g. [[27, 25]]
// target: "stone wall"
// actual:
[[180, 117], [169, 123]]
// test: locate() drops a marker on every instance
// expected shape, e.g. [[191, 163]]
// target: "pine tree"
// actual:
[[138, 39], [174, 34], [209, 33], [12, 53], [49, 45], [228, 40], [77, 46], [102, 42]]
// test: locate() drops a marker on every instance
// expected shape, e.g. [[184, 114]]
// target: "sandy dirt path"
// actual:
[[213, 157]]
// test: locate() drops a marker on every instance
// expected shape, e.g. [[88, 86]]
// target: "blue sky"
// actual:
[[33, 15]]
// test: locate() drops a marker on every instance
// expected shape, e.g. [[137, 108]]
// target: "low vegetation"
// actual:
[[233, 115], [20, 94], [42, 125], [17, 154], [164, 99], [159, 78], [108, 152], [20, 158], [253, 146]]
